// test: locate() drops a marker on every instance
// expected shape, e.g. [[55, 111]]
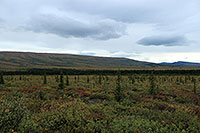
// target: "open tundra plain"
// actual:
[[100, 103]]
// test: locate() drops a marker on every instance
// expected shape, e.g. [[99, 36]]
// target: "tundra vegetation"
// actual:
[[100, 103]]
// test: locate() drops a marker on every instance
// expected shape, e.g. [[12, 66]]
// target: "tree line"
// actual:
[[97, 72]]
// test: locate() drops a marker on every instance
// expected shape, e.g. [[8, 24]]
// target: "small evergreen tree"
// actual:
[[181, 80], [186, 79], [67, 81], [88, 79], [118, 91], [132, 79], [192, 79], [41, 95], [177, 80], [1, 79], [152, 85], [61, 84], [57, 78], [100, 79], [45, 79], [107, 78], [195, 86], [189, 78]]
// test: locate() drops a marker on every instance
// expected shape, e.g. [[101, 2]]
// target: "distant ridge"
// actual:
[[27, 60], [182, 63]]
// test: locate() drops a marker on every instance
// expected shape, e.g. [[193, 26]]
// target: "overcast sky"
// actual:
[[147, 30]]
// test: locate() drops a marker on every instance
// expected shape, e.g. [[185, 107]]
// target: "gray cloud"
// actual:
[[163, 40], [137, 11], [64, 26], [165, 15]]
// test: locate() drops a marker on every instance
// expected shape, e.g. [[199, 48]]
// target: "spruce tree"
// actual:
[[195, 86], [88, 79], [118, 91], [192, 79], [186, 79], [61, 84], [57, 78], [67, 81], [107, 78], [45, 79], [177, 80], [1, 79], [132, 79], [152, 84], [100, 79]]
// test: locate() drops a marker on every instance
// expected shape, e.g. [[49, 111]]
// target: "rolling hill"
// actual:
[[26, 60], [182, 63]]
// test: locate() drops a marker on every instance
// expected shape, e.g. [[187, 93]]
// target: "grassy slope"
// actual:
[[21, 60]]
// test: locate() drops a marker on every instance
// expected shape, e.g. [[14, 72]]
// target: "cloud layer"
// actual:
[[69, 27], [163, 40], [127, 28]]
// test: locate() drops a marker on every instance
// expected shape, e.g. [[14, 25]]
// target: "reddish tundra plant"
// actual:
[[115, 105]]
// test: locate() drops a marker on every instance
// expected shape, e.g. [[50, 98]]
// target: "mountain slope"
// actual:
[[24, 60], [181, 63]]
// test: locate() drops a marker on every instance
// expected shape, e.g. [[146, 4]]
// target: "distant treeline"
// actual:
[[100, 72]]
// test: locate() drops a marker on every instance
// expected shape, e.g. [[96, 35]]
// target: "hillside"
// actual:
[[24, 60], [182, 63]]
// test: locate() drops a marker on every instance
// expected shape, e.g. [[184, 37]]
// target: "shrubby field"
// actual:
[[100, 103]]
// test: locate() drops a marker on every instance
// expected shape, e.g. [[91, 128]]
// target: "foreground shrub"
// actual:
[[14, 116]]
